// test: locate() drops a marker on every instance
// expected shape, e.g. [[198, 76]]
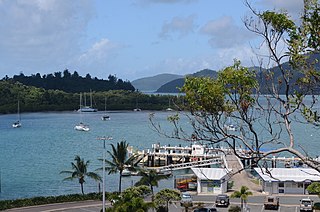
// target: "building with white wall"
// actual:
[[211, 180], [287, 180]]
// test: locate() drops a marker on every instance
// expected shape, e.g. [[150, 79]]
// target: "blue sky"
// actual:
[[127, 38]]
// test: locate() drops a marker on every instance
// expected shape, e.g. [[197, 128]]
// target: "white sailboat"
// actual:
[[105, 117], [86, 108], [137, 109], [169, 108], [229, 126], [17, 124], [81, 126]]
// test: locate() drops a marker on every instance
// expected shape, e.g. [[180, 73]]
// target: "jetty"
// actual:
[[169, 158], [165, 158]]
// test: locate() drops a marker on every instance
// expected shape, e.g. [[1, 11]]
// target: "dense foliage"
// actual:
[[132, 200], [34, 99], [7, 204], [72, 83]]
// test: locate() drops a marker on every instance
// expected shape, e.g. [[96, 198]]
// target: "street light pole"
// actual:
[[103, 171]]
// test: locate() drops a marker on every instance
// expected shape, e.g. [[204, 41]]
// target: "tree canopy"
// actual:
[[71, 83]]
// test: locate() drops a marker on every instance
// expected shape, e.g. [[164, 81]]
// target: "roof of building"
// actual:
[[288, 174], [210, 173]]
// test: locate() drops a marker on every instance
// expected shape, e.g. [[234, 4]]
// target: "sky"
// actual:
[[130, 39]]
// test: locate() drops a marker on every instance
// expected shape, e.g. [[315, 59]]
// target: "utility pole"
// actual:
[[104, 170]]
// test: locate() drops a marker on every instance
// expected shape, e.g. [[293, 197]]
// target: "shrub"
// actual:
[[316, 206], [234, 208], [7, 204]]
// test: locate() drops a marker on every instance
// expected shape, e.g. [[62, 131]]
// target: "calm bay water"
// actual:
[[32, 157]]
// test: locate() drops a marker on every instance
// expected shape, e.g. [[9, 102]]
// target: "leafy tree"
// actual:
[[150, 178], [120, 160], [132, 200], [314, 188], [79, 171], [166, 196], [264, 113], [243, 194]]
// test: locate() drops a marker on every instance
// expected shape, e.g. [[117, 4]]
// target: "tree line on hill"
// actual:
[[33, 99], [71, 83]]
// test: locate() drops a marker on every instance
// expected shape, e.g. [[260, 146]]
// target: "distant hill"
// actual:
[[154, 83], [174, 85]]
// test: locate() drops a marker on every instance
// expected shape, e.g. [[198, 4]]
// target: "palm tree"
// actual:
[[120, 160], [79, 171], [150, 178], [242, 194]]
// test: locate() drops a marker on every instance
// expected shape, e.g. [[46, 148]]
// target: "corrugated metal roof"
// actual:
[[289, 174], [210, 173]]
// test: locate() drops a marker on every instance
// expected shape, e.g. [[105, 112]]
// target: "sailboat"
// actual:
[[81, 126], [137, 109], [230, 126], [169, 108], [105, 117], [86, 108], [17, 124]]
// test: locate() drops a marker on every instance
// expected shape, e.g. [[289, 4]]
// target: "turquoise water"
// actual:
[[32, 157]]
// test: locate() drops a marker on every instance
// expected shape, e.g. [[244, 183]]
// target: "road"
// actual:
[[255, 204]]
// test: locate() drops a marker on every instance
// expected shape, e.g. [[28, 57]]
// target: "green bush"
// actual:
[[234, 208], [7, 204], [316, 206]]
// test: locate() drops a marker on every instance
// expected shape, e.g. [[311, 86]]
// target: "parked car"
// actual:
[[222, 200], [306, 205], [205, 210], [186, 199], [271, 202]]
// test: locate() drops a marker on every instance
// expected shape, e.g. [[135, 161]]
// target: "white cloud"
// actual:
[[98, 58], [224, 33], [99, 51], [293, 7], [41, 33], [181, 26]]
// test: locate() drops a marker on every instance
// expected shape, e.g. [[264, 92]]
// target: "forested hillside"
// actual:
[[72, 83], [34, 99]]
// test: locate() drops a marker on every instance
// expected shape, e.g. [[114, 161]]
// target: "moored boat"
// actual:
[[82, 127], [17, 124]]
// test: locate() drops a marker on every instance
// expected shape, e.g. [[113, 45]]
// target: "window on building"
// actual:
[[281, 184]]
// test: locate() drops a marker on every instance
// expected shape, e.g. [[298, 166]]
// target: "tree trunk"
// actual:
[[241, 204], [152, 195], [81, 184], [120, 179]]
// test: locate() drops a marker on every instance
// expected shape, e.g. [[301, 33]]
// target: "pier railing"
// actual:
[[173, 167]]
